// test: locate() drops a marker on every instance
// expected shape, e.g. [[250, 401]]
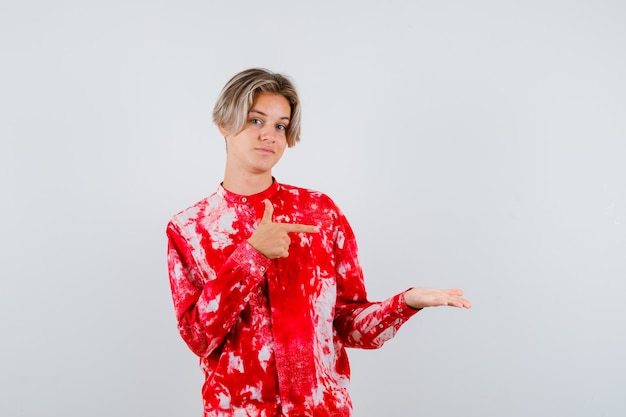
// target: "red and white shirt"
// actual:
[[271, 334]]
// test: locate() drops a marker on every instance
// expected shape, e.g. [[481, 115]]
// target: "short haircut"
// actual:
[[235, 100]]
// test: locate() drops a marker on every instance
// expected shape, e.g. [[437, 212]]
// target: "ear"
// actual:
[[223, 131]]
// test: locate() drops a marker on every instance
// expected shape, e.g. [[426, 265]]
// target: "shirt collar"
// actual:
[[253, 199]]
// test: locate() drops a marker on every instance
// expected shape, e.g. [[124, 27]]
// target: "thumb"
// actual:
[[267, 214]]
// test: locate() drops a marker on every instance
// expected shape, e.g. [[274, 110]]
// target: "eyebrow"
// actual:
[[263, 114]]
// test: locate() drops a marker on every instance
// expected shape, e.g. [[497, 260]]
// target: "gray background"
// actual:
[[474, 144]]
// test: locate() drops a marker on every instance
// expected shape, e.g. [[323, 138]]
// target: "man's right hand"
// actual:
[[272, 239]]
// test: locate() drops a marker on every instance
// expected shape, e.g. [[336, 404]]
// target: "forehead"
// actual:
[[271, 104]]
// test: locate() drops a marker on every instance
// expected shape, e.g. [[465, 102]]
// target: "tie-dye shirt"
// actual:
[[271, 334]]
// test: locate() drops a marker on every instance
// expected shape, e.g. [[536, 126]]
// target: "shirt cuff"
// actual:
[[251, 261], [401, 309]]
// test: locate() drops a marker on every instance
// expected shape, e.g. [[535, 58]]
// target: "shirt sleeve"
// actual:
[[206, 309], [359, 322]]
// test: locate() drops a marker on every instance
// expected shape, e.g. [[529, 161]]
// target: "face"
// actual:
[[261, 143]]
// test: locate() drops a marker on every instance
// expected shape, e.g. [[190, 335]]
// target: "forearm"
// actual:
[[369, 325], [207, 308]]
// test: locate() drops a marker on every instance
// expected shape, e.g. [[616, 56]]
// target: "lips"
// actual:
[[265, 150]]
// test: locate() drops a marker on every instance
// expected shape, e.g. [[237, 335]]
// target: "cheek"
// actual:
[[281, 150], [282, 142]]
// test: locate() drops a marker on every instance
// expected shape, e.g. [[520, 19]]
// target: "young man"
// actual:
[[265, 277]]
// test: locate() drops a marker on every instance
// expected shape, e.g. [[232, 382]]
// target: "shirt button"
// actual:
[[262, 269], [400, 310], [381, 326], [246, 298], [244, 199]]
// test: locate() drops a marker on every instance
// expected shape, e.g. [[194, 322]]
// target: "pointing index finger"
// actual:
[[300, 228]]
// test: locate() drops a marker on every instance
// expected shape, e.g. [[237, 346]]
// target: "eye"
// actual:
[[255, 121], [281, 127]]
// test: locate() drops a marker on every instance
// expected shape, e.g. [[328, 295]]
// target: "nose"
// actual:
[[267, 134]]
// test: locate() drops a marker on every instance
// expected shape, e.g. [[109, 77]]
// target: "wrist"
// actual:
[[409, 302]]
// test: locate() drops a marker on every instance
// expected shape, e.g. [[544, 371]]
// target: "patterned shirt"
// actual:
[[271, 334]]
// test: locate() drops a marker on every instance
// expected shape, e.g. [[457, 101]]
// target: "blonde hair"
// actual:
[[235, 100]]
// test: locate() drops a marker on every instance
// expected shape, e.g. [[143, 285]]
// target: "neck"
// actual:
[[247, 184]]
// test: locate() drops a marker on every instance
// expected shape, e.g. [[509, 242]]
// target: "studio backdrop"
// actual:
[[479, 145]]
